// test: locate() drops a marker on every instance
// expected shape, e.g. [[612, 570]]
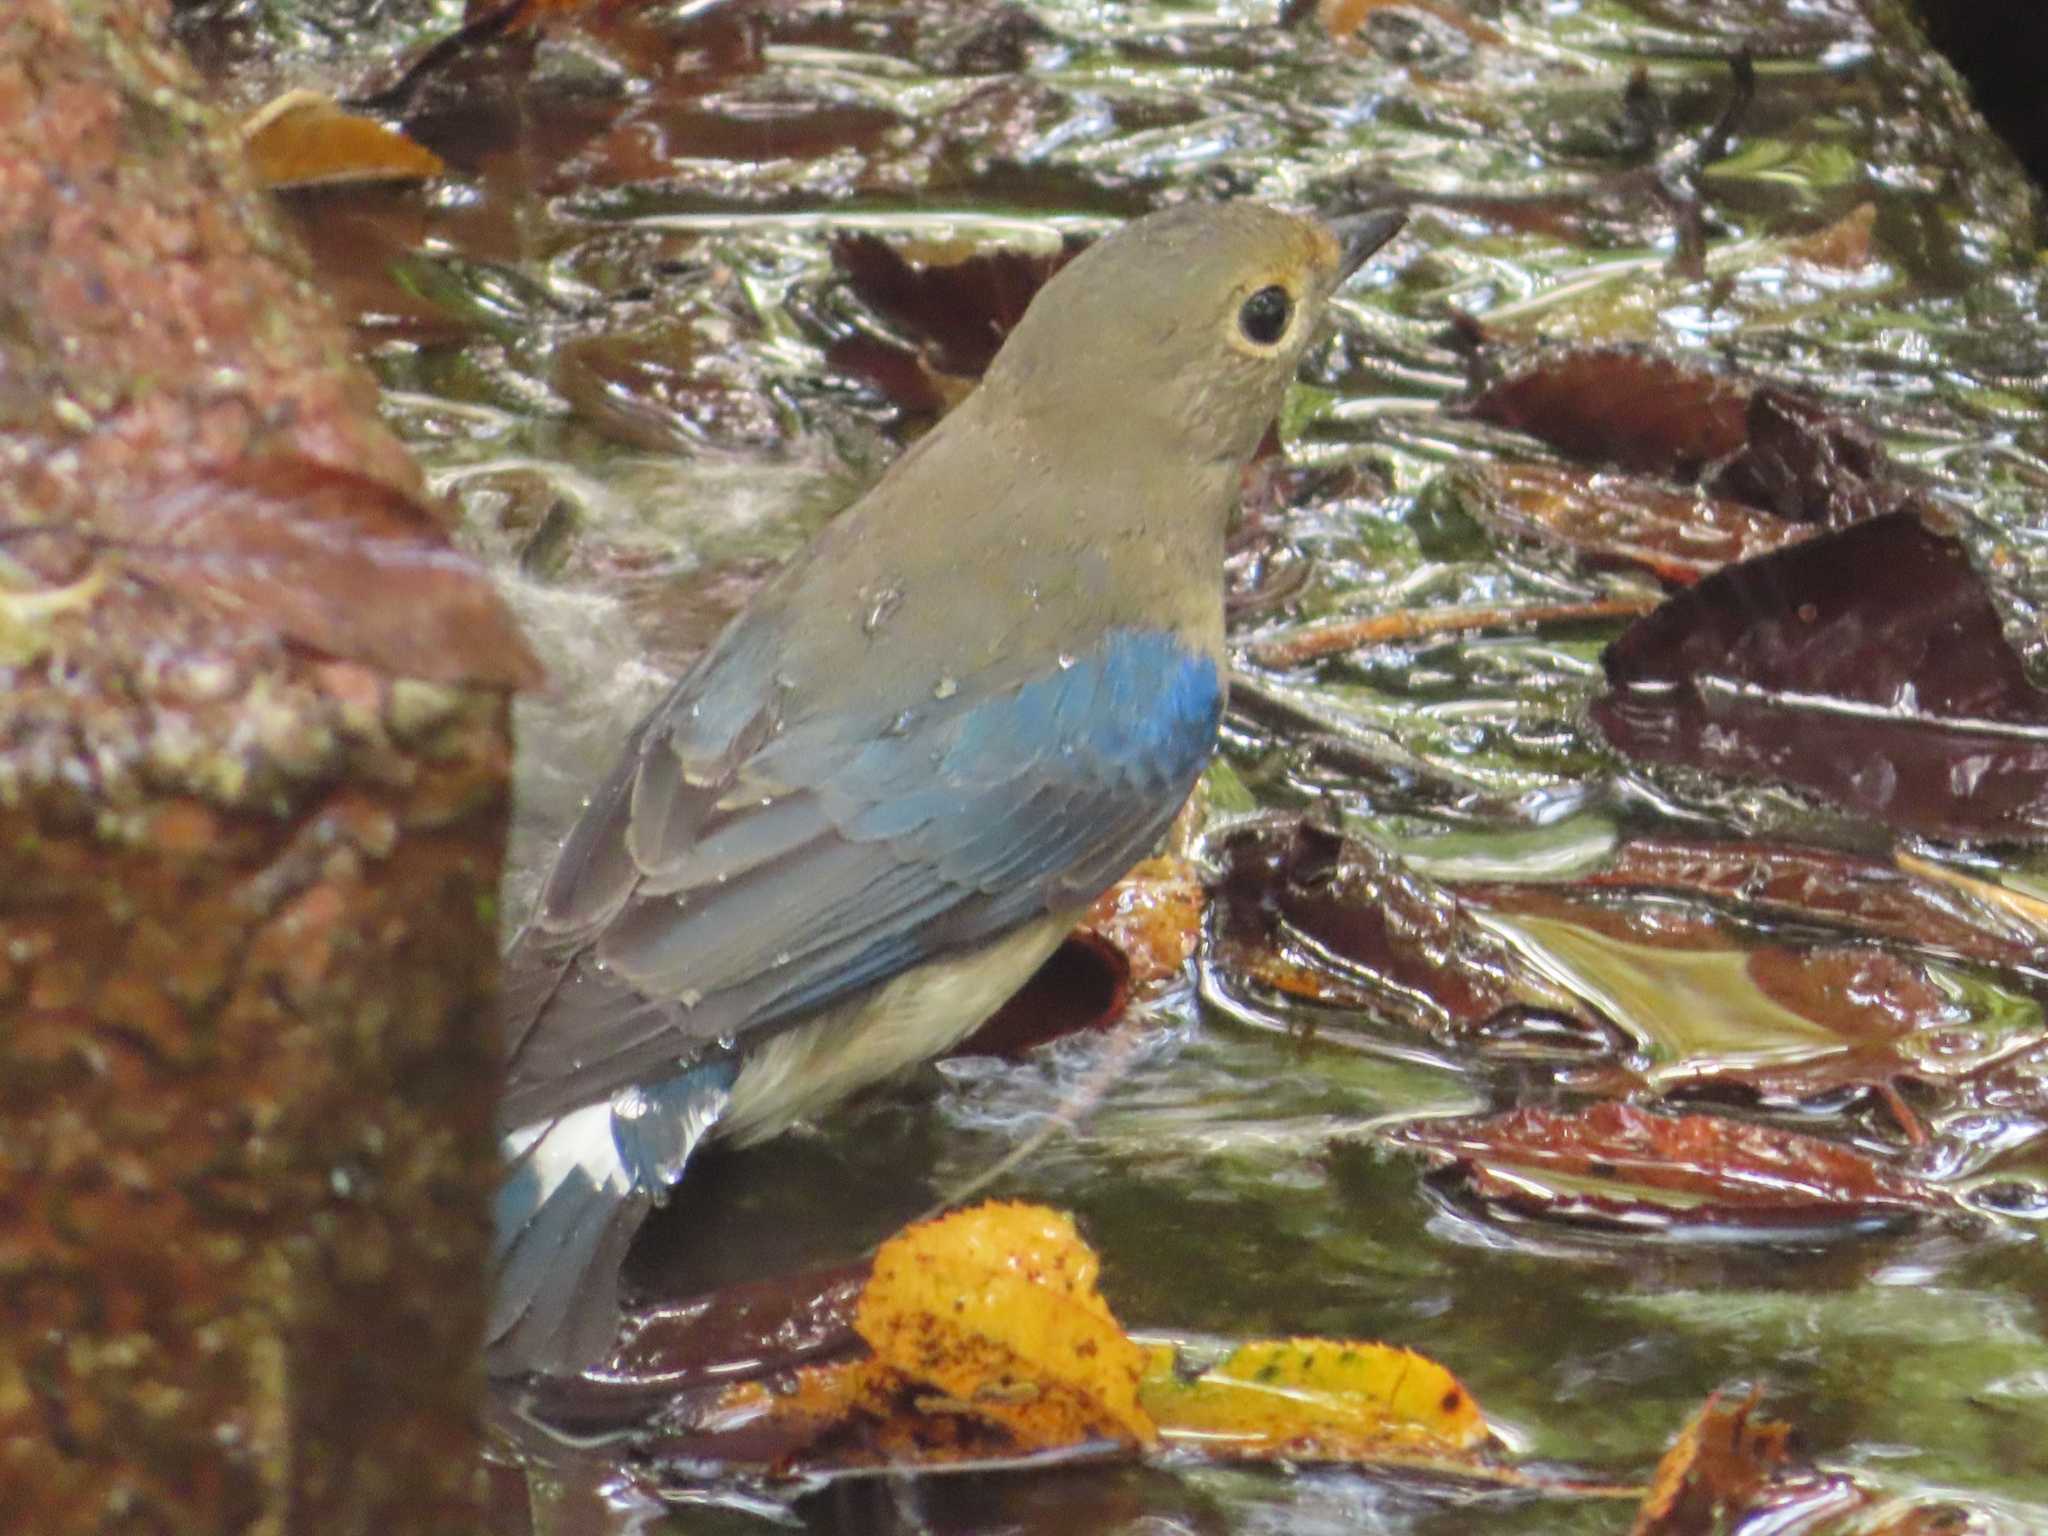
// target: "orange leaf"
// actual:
[[332, 560], [302, 139], [1714, 1470], [996, 1308], [1153, 916]]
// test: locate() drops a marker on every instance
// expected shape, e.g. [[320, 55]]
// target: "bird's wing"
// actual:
[[736, 873]]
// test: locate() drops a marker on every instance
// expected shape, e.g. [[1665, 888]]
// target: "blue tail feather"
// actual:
[[576, 1193]]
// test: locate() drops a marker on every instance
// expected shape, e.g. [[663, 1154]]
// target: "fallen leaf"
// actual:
[[995, 1308], [1714, 1471], [1337, 920], [1820, 885], [1843, 245], [1614, 1165], [1342, 18], [956, 313], [1809, 464], [303, 139], [1154, 918], [1867, 665], [1616, 519], [1084, 984], [669, 1354], [1624, 406], [328, 559], [1765, 446], [1136, 940], [1315, 1400]]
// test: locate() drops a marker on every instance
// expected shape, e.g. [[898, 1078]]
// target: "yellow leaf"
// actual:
[[1316, 1399], [995, 1310], [302, 139]]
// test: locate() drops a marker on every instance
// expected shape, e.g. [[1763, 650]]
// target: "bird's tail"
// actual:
[[566, 1215], [576, 1190]]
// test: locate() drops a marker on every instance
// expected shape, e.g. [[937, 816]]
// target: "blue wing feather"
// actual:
[[839, 851]]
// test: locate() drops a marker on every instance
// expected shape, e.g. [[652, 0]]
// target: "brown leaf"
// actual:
[[1295, 898], [1678, 536], [330, 560], [1084, 984], [1864, 896], [762, 1329], [1615, 1165], [1714, 1470], [1341, 18], [1624, 406], [1843, 245], [303, 139]]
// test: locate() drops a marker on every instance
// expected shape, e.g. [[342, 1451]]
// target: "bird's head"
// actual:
[[1179, 333]]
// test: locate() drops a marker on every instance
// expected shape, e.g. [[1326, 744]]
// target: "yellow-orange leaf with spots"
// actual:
[[995, 1309], [1316, 1399]]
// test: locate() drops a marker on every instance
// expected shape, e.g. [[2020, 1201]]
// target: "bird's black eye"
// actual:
[[1265, 315]]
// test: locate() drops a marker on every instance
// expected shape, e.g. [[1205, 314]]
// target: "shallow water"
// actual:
[[604, 335]]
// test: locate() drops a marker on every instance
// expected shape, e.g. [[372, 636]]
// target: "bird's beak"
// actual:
[[1360, 234]]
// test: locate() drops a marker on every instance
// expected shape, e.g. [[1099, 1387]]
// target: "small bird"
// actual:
[[898, 778]]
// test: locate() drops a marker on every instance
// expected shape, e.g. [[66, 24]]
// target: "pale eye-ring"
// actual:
[[1264, 316]]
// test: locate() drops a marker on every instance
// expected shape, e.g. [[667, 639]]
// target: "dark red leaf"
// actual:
[[1340, 921], [330, 560], [1648, 1170], [898, 372], [1135, 941], [763, 1328], [1085, 985], [957, 312], [1624, 406], [1773, 449], [1867, 665], [1808, 464]]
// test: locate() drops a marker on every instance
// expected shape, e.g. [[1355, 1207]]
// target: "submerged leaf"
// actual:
[[1821, 885], [1678, 536], [955, 312], [1809, 464], [1316, 1400], [1624, 406], [1765, 446], [1615, 1165], [996, 1308], [1136, 940], [1693, 1008], [1867, 665], [1713, 1472]]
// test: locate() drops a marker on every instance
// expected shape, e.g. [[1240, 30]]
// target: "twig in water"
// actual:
[[1322, 640]]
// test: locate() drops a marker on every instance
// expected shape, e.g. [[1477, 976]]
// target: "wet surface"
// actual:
[[617, 334]]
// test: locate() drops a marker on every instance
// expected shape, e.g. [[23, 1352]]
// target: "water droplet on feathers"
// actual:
[[880, 604]]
